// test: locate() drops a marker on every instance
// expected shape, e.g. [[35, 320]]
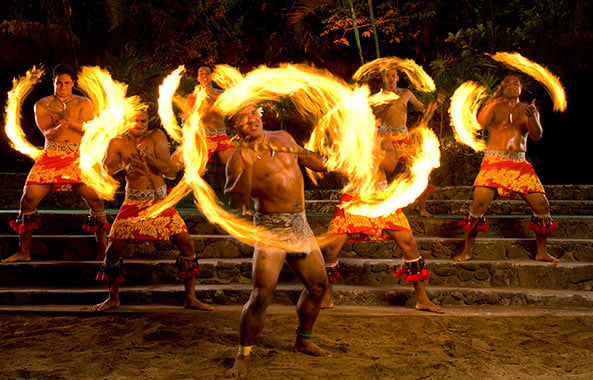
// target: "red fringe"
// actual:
[[401, 274], [103, 228], [547, 229], [20, 228], [336, 276], [467, 225], [187, 274]]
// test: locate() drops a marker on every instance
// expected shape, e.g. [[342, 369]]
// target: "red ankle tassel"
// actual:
[[482, 227], [187, 274]]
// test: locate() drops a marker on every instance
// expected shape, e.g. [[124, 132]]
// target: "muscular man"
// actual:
[[350, 227], [144, 156], [60, 117], [275, 183], [394, 117], [504, 171]]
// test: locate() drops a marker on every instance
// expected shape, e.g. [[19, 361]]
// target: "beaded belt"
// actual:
[[396, 128], [62, 146], [505, 154], [146, 194], [215, 132]]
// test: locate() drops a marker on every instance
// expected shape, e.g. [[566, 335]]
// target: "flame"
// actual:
[[465, 104], [20, 89], [539, 73], [226, 76], [419, 78], [166, 93], [113, 108], [404, 189]]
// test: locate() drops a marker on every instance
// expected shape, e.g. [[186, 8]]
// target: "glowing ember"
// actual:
[[20, 89], [419, 78], [539, 73], [113, 109], [465, 104]]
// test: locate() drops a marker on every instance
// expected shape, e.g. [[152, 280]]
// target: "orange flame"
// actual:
[[539, 73], [404, 189], [166, 93], [419, 78], [465, 104], [113, 109], [20, 89]]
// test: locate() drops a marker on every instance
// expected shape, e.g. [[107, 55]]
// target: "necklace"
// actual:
[[511, 108], [64, 102]]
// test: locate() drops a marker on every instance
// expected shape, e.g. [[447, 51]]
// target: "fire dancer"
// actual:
[[275, 182], [144, 157], [346, 226], [219, 144], [60, 117], [393, 117], [504, 171]]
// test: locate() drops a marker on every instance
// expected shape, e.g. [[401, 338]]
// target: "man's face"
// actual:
[[204, 75], [248, 123], [390, 78], [511, 87], [63, 85], [139, 124]]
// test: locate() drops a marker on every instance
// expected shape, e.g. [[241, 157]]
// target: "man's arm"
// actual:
[[46, 122], [239, 173], [312, 160], [161, 160], [112, 160], [415, 102], [534, 126]]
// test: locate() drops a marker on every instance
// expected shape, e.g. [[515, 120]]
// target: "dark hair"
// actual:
[[206, 66], [61, 68]]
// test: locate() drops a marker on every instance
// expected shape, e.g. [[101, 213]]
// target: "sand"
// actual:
[[367, 343]]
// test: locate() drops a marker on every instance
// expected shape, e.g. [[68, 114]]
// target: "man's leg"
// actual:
[[483, 196], [32, 196], [188, 266], [330, 256], [541, 208], [405, 240], [97, 211], [111, 272], [422, 205], [310, 270]]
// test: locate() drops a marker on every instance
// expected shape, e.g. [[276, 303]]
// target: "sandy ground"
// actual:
[[368, 343]]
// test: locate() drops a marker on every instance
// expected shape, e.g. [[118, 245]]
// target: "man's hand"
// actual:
[[135, 167], [531, 109]]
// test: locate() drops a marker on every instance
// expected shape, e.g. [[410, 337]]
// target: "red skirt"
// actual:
[[363, 228], [58, 168], [509, 177], [161, 227]]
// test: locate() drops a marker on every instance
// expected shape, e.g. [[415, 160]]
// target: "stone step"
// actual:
[[553, 192], [15, 181], [10, 199], [287, 294], [67, 222], [83, 247], [355, 271]]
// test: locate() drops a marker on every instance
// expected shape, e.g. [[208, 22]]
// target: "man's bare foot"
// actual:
[[109, 303], [328, 305], [19, 256], [429, 306], [196, 304], [240, 367], [546, 257], [307, 347], [425, 214], [463, 256]]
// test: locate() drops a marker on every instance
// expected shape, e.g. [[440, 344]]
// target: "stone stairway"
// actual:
[[501, 273]]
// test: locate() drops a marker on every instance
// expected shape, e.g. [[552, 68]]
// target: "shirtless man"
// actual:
[[349, 227], [504, 171], [394, 117], [275, 183], [60, 117], [144, 157], [219, 144]]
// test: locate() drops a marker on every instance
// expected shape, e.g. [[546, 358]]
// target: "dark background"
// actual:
[[140, 42]]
